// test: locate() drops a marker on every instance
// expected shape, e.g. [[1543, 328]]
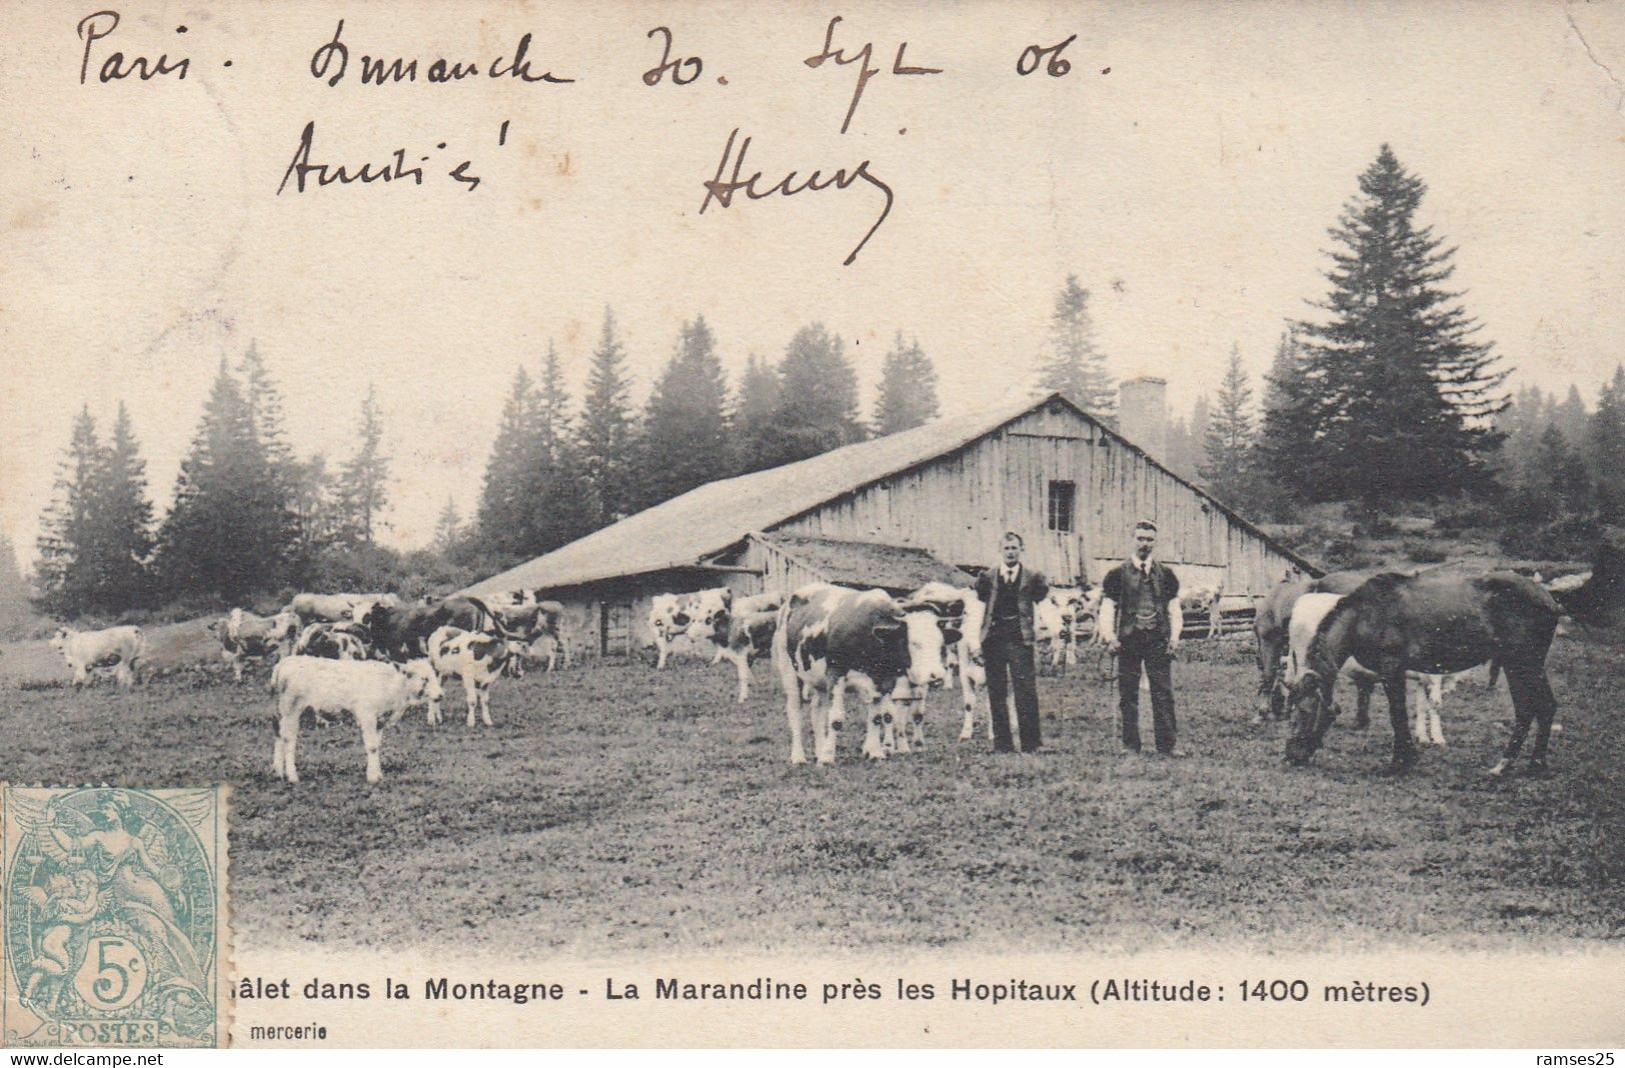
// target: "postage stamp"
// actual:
[[116, 926]]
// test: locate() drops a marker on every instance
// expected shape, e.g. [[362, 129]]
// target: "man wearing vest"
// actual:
[[1140, 620], [1010, 591]]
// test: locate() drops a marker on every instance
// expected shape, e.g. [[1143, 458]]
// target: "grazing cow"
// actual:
[[245, 636], [696, 616], [830, 638], [120, 648], [1204, 598], [333, 641], [1271, 624], [1437, 621], [401, 633], [478, 659], [366, 689], [749, 638]]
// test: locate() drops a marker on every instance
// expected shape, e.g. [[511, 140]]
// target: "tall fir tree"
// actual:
[[754, 411], [125, 519], [1405, 395], [608, 432], [363, 484], [564, 507], [63, 574], [907, 396], [448, 530], [1181, 449], [228, 535], [818, 398], [1286, 454], [1231, 440], [1571, 416], [505, 514], [1605, 449], [1072, 362], [685, 429]]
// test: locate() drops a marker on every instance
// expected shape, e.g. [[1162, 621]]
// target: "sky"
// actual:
[[1186, 169]]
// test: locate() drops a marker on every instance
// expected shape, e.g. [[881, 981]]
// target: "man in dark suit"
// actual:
[[1140, 621], [1010, 591]]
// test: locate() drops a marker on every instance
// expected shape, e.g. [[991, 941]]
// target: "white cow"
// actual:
[[245, 636], [337, 607], [478, 659], [1204, 598], [119, 648], [1062, 620], [368, 690]]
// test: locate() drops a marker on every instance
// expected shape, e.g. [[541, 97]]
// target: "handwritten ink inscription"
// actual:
[[337, 60]]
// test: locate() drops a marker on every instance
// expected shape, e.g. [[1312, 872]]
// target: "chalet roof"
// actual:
[[866, 564], [708, 519]]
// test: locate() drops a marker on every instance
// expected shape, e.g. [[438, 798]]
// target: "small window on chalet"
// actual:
[[1061, 496]]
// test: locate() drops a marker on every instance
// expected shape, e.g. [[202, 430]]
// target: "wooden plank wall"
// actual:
[[959, 506]]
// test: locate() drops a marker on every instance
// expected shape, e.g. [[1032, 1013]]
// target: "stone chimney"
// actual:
[[1142, 414]]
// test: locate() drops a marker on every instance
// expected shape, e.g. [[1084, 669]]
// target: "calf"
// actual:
[[1053, 619], [119, 648], [245, 636], [367, 690], [830, 638], [478, 659], [333, 641], [749, 638], [696, 617]]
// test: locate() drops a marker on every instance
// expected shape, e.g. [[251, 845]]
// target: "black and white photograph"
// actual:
[[1029, 524]]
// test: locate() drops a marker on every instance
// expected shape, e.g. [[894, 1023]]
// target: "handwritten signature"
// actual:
[[721, 191]]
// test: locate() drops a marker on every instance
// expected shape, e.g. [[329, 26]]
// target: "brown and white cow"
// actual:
[[830, 639], [401, 633], [245, 636], [333, 641], [119, 648], [478, 659], [1056, 621], [689, 622], [1204, 598]]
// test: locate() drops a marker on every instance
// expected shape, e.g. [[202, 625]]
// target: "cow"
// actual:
[[1203, 597], [336, 607], [366, 689], [119, 648], [245, 636], [830, 638], [478, 659], [749, 638], [1270, 627], [401, 633], [333, 641], [695, 616], [1064, 620]]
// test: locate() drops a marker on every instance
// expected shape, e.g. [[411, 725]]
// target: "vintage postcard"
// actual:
[[991, 524]]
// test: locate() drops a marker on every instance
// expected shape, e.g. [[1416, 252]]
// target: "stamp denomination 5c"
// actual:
[[115, 919]]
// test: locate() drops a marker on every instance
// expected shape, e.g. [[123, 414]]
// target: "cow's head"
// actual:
[[1068, 601], [59, 640], [708, 614]]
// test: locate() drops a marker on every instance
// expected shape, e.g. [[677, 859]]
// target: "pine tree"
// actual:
[[752, 423], [1286, 453], [1605, 449], [685, 430], [448, 530], [608, 433], [63, 574], [1405, 393], [1181, 458], [505, 500], [318, 522], [908, 389], [1571, 416], [229, 532], [1072, 363], [564, 507], [124, 520], [265, 410], [363, 484], [1231, 439], [818, 398]]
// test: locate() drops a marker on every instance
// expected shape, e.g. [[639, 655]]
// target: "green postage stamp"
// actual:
[[113, 904]]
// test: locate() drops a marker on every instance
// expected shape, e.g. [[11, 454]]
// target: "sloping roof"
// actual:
[[710, 518], [866, 564]]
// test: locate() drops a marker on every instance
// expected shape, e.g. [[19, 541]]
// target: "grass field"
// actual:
[[616, 810]]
